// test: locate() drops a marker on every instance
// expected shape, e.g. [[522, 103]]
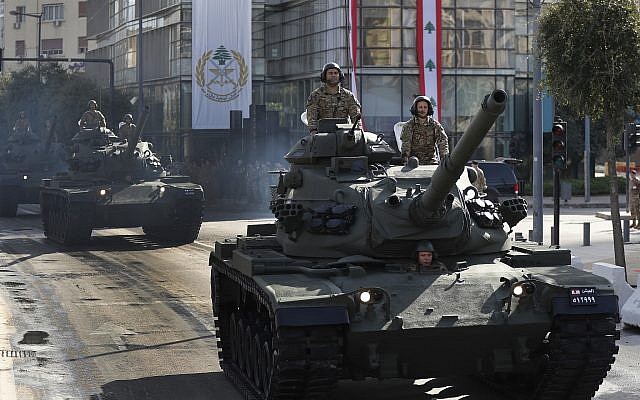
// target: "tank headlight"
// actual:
[[162, 189], [523, 289], [365, 296], [103, 192], [25, 177]]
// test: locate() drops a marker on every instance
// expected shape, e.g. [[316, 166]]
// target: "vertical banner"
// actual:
[[221, 48], [353, 48], [353, 42], [429, 49]]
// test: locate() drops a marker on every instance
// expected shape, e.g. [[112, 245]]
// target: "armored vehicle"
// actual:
[[24, 161], [332, 290], [119, 183]]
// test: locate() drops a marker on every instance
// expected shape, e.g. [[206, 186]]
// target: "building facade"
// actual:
[[485, 45], [61, 26]]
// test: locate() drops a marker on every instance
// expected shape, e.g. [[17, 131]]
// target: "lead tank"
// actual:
[[119, 183], [25, 160], [331, 291]]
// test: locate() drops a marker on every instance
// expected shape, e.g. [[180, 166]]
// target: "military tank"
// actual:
[[116, 182], [331, 290], [25, 160]]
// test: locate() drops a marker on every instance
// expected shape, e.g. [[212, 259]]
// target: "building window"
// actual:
[[20, 10], [20, 48], [83, 44], [53, 12], [82, 9], [51, 46]]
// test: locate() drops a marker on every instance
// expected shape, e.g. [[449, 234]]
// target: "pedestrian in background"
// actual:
[[634, 203]]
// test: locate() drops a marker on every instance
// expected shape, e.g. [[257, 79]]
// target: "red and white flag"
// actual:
[[429, 48]]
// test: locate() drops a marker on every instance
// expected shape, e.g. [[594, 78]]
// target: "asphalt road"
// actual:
[[123, 318]]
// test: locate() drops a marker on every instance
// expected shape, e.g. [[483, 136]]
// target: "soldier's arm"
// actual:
[[405, 136], [354, 109], [101, 119], [312, 113], [442, 140]]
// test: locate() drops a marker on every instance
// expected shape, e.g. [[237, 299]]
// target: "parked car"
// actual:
[[501, 180]]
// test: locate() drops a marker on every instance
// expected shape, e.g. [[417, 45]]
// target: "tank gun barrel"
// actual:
[[429, 205], [142, 120]]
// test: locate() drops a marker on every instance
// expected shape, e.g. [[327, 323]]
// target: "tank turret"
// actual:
[[342, 197]]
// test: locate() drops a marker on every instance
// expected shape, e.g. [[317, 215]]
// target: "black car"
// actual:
[[501, 180]]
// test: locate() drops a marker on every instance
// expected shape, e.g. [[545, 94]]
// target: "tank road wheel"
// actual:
[[8, 201], [301, 363]]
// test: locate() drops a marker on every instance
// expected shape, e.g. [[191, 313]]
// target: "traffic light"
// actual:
[[633, 135], [559, 144]]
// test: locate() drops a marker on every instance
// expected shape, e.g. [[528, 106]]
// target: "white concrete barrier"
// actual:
[[615, 275], [576, 262], [630, 311]]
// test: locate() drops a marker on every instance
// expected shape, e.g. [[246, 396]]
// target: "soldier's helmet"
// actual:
[[425, 245], [328, 66], [414, 106], [128, 117], [95, 104]]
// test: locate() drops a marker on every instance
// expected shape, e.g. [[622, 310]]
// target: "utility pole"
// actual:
[[587, 159], [538, 212]]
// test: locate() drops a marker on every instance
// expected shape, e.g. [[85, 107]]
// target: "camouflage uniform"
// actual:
[[92, 119], [420, 139], [22, 125], [634, 203], [323, 104]]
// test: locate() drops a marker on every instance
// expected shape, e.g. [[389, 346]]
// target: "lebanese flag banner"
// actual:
[[221, 48], [353, 46], [429, 48]]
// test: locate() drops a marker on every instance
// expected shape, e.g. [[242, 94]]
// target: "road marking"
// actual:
[[7, 380]]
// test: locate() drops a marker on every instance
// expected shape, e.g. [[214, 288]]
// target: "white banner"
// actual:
[[221, 53]]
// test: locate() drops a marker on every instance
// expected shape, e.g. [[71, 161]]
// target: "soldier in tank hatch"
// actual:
[[422, 136], [331, 100], [481, 182], [92, 118], [22, 125], [426, 258], [127, 129]]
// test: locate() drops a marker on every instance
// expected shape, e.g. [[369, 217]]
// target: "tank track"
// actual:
[[265, 362], [66, 222], [581, 351], [578, 354], [184, 226]]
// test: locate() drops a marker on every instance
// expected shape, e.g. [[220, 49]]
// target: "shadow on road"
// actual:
[[203, 386]]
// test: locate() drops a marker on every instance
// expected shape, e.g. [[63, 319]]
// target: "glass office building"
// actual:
[[485, 45]]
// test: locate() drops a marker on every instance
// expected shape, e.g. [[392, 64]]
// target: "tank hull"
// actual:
[[19, 188], [168, 209], [428, 324]]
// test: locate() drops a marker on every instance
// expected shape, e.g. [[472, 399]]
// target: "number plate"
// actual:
[[584, 296]]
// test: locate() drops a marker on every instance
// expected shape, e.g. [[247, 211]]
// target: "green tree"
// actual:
[[591, 55], [58, 94]]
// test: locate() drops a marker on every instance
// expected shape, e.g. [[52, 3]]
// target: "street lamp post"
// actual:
[[39, 16]]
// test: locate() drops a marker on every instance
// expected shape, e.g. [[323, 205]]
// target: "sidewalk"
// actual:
[[599, 201]]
